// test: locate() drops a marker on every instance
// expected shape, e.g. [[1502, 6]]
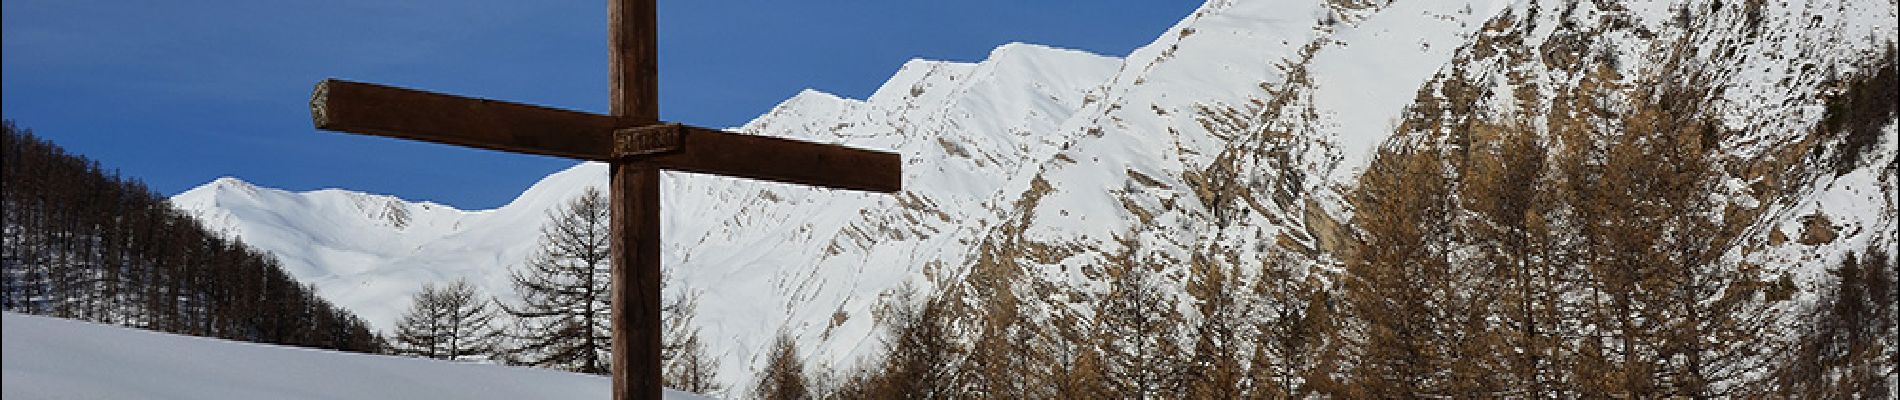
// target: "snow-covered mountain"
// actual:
[[52, 358], [1235, 134]]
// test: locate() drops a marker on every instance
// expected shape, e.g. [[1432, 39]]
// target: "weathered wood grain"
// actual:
[[635, 261], [717, 152], [379, 110]]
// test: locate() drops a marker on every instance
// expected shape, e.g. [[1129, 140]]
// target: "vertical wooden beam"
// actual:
[[636, 281], [635, 61], [634, 75]]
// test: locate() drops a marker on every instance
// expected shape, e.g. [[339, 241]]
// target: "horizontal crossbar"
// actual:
[[388, 111]]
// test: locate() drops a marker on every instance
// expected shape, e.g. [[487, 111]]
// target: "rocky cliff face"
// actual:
[[1235, 140]]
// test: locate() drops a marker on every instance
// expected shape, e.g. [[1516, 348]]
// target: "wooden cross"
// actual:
[[635, 144]]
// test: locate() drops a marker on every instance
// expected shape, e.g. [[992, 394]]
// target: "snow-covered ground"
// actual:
[[51, 358]]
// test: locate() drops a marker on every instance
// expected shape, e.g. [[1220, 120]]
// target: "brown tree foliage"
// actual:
[[921, 359], [1293, 318], [1847, 341], [687, 366], [784, 375], [1418, 326], [1497, 261], [1140, 338]]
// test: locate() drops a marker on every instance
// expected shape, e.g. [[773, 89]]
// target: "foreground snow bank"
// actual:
[[51, 358]]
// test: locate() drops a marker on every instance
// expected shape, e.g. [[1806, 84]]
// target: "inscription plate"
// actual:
[[646, 140]]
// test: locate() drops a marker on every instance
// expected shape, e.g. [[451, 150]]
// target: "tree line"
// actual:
[[85, 243]]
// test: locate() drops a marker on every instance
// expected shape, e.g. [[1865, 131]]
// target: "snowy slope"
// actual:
[[1233, 135], [51, 358]]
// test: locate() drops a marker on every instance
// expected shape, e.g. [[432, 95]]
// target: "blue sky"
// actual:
[[177, 93]]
